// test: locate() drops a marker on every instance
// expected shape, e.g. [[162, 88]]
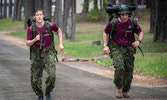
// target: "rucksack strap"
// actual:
[[52, 38], [41, 38], [133, 20]]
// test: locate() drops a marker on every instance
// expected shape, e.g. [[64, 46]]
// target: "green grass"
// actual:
[[154, 62], [6, 24], [20, 33], [104, 62]]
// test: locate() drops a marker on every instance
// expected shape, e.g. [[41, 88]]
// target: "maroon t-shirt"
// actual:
[[46, 37], [121, 36]]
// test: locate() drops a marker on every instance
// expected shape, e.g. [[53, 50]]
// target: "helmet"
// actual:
[[123, 9]]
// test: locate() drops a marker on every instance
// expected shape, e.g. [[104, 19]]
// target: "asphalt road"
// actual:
[[71, 83]]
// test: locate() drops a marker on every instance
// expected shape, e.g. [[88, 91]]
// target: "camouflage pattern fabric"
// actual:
[[41, 60], [123, 61]]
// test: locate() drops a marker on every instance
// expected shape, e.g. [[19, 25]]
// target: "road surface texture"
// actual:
[[71, 83]]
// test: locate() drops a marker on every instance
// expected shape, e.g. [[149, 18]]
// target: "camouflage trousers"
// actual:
[[40, 61], [123, 61]]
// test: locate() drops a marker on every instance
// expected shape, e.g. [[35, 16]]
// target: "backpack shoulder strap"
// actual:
[[49, 31], [113, 22], [133, 21], [34, 29], [52, 37]]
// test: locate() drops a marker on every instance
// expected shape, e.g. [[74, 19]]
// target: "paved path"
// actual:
[[71, 83]]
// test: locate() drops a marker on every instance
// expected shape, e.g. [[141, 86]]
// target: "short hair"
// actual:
[[37, 11]]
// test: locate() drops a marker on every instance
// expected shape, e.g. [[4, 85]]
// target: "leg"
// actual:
[[36, 77], [118, 62], [128, 74], [50, 71], [129, 65]]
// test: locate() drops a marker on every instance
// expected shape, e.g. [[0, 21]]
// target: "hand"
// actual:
[[106, 50], [37, 37], [136, 44], [61, 47]]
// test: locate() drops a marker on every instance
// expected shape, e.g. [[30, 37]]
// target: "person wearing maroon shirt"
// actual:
[[123, 50], [42, 58]]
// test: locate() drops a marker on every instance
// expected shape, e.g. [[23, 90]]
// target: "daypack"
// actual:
[[113, 10], [31, 22]]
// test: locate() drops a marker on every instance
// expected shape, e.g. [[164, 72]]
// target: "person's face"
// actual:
[[39, 16], [124, 17]]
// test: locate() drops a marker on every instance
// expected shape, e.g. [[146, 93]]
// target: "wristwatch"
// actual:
[[139, 41], [104, 45]]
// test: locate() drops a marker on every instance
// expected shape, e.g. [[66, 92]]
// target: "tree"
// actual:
[[58, 15], [5, 9], [160, 33], [104, 3], [0, 9], [152, 16], [85, 6], [17, 10], [38, 4], [96, 5], [69, 19], [47, 7], [148, 3], [30, 9], [10, 8]]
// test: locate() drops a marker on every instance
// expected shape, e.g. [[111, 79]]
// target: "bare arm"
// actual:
[[106, 49], [59, 33], [31, 42], [140, 38]]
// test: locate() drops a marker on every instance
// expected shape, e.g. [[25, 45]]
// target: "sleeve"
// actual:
[[29, 33], [108, 28], [137, 27], [53, 27]]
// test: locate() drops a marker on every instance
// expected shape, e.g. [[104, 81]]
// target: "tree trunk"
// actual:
[[38, 4], [152, 17], [30, 9], [101, 5], [0, 9], [17, 10], [5, 9], [58, 15], [10, 8], [161, 23], [47, 7], [69, 19], [104, 3], [85, 6], [96, 5], [148, 3]]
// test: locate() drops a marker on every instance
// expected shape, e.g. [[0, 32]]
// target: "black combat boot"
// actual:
[[48, 96], [40, 98]]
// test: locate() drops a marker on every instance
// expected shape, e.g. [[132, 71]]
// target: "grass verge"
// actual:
[[154, 62]]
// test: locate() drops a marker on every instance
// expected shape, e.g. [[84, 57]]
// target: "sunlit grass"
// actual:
[[154, 62], [7, 23]]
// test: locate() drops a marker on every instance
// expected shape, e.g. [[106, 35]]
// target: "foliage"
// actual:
[[96, 14]]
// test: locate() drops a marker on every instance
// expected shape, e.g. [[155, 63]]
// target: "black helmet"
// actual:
[[123, 9]]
